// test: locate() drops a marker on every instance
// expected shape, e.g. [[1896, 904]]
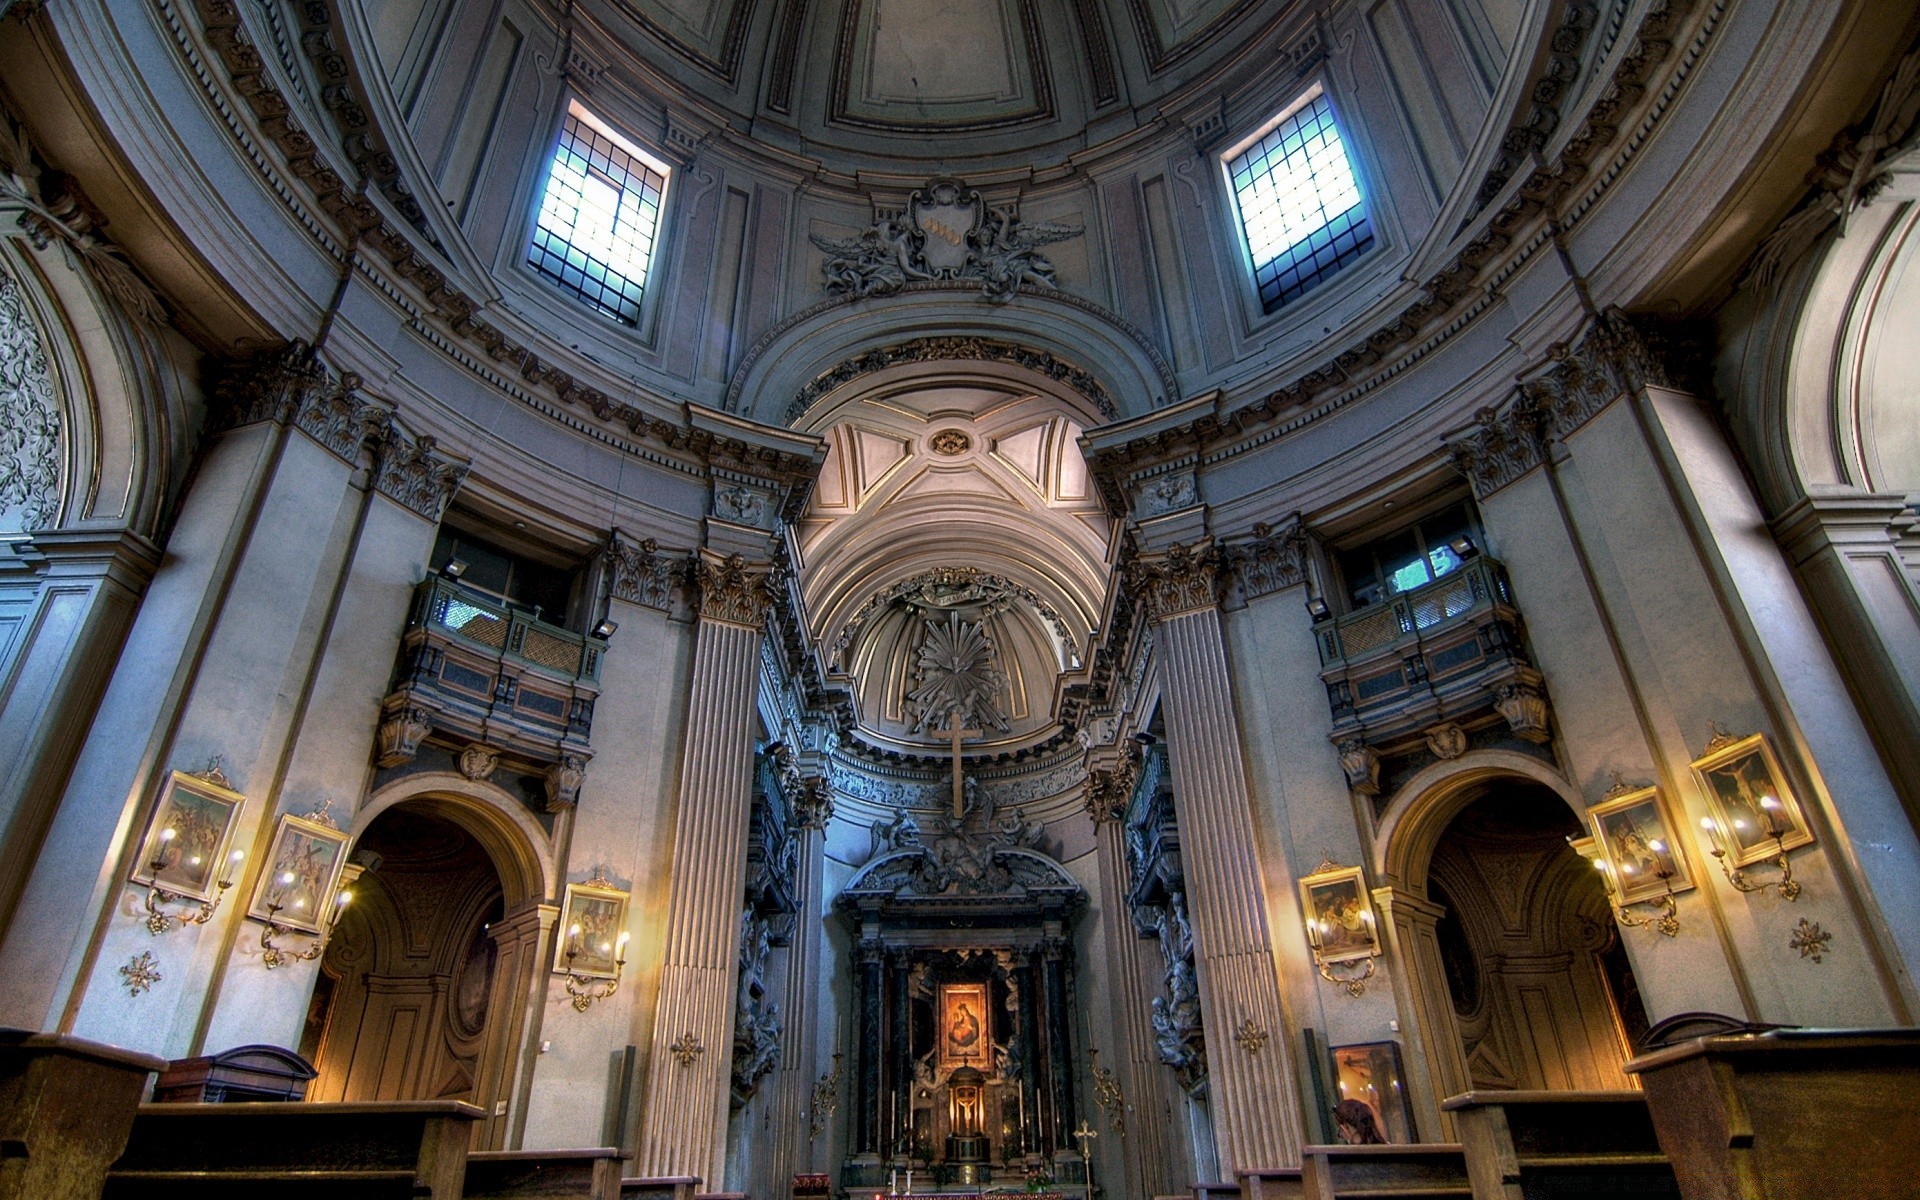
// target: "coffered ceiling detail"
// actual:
[[940, 65]]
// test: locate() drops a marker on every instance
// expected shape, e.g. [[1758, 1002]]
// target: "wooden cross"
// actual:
[[955, 732]]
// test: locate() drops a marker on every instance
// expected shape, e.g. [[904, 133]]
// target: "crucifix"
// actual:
[[955, 732]]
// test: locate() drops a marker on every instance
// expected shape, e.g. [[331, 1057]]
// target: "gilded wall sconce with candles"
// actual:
[[591, 951], [1756, 818], [1634, 850], [302, 888], [185, 856], [1341, 926]]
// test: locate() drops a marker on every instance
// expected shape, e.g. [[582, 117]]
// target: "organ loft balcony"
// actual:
[[494, 684], [1429, 672]]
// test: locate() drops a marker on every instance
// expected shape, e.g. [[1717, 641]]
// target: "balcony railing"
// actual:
[[1477, 584], [510, 632]]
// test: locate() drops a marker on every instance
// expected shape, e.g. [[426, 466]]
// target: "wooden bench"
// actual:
[[1271, 1183], [1423, 1171], [66, 1107], [1216, 1191], [415, 1151], [664, 1187], [539, 1174], [1791, 1113], [1537, 1145]]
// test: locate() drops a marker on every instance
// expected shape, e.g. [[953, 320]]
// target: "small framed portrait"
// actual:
[[297, 888], [185, 851], [966, 1026], [1750, 799], [1370, 1106], [1339, 914], [1632, 834], [593, 930]]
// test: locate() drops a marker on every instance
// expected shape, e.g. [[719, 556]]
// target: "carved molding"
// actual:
[[1553, 84], [1110, 789], [640, 574], [563, 780], [1179, 581], [955, 349], [1361, 764], [401, 734], [1276, 559], [30, 420], [731, 589], [413, 474]]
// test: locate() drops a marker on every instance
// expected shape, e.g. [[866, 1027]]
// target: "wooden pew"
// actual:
[[1423, 1171], [1271, 1183], [1216, 1191], [664, 1187], [1536, 1145], [416, 1151], [1789, 1114], [66, 1106], [539, 1174]]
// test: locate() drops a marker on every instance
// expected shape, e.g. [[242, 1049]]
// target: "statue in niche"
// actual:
[[1176, 1025]]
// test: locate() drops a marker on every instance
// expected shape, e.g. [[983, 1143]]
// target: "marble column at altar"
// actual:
[[1256, 1115], [1056, 971], [869, 1002], [794, 1147], [685, 1124]]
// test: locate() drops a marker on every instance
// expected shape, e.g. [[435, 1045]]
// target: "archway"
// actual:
[[1541, 991], [421, 994]]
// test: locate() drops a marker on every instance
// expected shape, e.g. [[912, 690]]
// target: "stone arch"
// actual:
[[1420, 811], [501, 824], [1058, 339]]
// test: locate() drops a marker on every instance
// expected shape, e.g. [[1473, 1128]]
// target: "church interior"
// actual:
[[844, 599]]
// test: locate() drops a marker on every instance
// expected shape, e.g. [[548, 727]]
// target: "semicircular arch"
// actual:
[[1421, 810], [501, 824]]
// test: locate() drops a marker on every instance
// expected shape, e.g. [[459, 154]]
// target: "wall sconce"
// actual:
[[1341, 927], [278, 956], [158, 921], [585, 989], [1664, 916], [1786, 885]]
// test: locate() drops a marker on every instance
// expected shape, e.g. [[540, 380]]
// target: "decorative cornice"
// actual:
[[1274, 560], [729, 588], [412, 473], [640, 574], [1552, 85], [1182, 580], [955, 349]]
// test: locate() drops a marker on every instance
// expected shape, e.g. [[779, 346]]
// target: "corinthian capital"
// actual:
[[730, 588], [1181, 580], [641, 573]]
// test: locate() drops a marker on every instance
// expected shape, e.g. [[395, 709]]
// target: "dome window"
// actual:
[[599, 216], [1299, 201]]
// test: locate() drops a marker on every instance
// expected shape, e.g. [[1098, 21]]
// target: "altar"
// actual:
[[963, 1064]]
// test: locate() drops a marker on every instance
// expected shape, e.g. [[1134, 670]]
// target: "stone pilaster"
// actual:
[[685, 1126], [793, 1119], [1256, 1115]]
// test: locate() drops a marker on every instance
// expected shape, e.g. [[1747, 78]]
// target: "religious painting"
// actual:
[[1339, 914], [297, 888], [1751, 800], [966, 1030], [1635, 840], [1372, 1095], [185, 850], [592, 938]]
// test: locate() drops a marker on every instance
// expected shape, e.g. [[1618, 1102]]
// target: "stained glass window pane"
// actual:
[[599, 218], [1300, 204]]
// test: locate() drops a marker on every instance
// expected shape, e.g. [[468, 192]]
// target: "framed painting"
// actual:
[[1339, 914], [966, 1026], [1370, 1095], [593, 924], [1751, 800], [187, 839], [1635, 840], [297, 888]]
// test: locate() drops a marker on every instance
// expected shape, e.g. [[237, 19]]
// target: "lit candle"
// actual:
[[1713, 832], [621, 949], [167, 835], [1771, 807]]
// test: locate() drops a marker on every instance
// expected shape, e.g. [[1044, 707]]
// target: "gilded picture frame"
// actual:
[[296, 888], [1339, 910], [966, 1026], [188, 836], [1626, 828], [1736, 774], [600, 912]]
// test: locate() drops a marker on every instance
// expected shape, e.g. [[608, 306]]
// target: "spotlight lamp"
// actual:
[[455, 568], [1463, 547], [1317, 609], [605, 629]]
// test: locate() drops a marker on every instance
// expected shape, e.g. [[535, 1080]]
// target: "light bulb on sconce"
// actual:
[[1786, 886], [1665, 917], [584, 990], [279, 956], [158, 920]]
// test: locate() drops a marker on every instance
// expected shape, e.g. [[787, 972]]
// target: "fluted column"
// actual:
[[685, 1129], [1256, 1116], [794, 1148]]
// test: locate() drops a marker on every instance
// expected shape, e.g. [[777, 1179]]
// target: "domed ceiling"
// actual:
[[990, 76], [953, 559]]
